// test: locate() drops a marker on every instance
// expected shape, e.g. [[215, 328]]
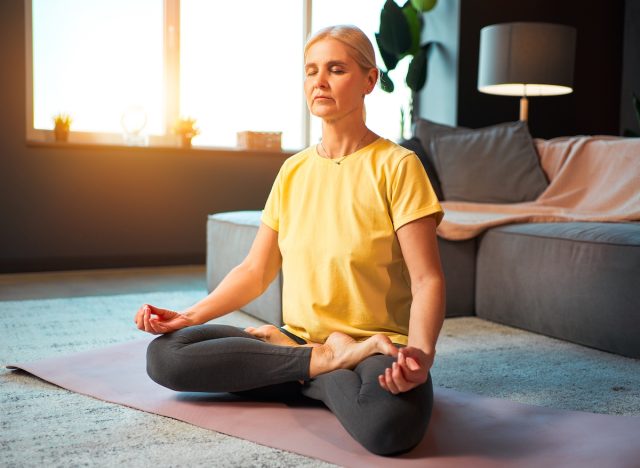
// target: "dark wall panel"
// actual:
[[593, 107], [631, 68]]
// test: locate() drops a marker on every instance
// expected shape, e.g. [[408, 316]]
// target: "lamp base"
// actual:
[[524, 108]]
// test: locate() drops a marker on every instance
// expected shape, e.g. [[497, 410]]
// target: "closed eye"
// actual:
[[338, 72]]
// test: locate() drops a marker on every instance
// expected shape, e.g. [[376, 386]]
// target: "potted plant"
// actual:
[[186, 128], [62, 124], [399, 37]]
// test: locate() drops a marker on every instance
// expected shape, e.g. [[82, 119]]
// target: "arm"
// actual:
[[419, 245], [245, 282], [241, 285]]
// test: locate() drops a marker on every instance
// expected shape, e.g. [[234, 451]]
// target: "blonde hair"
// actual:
[[352, 36], [356, 41]]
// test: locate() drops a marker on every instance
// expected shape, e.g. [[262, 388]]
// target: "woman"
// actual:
[[352, 223]]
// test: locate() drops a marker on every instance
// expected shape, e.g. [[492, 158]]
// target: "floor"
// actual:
[[79, 283], [54, 312]]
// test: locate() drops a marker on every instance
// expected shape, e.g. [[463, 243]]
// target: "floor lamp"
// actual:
[[526, 59]]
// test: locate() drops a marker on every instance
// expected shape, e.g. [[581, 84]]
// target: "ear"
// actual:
[[372, 79]]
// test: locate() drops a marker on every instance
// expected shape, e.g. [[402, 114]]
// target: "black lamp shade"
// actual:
[[526, 59]]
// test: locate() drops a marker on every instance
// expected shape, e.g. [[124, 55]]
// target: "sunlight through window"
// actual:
[[241, 69], [97, 61]]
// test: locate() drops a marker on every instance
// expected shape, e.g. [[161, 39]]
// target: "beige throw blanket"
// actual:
[[592, 178]]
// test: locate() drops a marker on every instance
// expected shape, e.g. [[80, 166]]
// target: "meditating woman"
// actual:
[[352, 223]]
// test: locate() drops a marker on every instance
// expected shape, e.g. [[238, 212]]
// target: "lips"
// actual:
[[321, 97]]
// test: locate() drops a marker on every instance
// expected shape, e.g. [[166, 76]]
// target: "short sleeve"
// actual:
[[271, 213], [411, 194]]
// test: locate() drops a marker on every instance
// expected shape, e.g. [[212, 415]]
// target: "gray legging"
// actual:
[[223, 358]]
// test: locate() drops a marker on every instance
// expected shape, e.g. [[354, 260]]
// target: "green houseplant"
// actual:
[[62, 124], [399, 37]]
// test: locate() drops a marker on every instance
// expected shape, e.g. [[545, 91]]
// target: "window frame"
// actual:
[[171, 87]]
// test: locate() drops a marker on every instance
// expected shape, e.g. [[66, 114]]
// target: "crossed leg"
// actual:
[[222, 358], [384, 423]]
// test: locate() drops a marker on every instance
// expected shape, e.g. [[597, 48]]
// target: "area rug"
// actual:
[[465, 429]]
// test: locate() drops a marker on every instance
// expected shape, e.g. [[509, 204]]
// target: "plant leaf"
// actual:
[[414, 20], [424, 5], [395, 36], [417, 73], [390, 59], [385, 82]]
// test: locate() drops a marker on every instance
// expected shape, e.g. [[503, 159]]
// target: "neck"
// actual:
[[340, 140]]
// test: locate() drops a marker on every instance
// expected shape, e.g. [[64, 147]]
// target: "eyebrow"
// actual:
[[330, 63]]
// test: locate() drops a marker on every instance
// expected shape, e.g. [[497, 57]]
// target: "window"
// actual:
[[110, 62], [96, 61], [241, 69]]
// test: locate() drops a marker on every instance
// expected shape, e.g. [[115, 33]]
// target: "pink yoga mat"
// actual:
[[465, 429]]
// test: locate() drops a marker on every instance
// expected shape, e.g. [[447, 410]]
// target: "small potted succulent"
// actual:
[[186, 128], [62, 124]]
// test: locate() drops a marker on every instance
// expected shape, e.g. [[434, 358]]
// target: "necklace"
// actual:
[[343, 157]]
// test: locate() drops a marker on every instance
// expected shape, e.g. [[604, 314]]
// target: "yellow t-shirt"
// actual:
[[342, 266]]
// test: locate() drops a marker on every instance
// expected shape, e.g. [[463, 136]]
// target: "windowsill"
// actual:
[[113, 146], [86, 140]]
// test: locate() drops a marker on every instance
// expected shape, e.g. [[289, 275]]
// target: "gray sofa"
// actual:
[[578, 282]]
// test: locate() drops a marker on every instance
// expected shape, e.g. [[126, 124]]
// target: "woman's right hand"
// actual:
[[157, 321]]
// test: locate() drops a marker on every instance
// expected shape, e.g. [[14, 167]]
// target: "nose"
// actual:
[[320, 80]]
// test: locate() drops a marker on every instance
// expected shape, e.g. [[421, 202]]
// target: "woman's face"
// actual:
[[334, 83]]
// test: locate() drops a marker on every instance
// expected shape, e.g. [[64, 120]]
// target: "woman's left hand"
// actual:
[[410, 370]]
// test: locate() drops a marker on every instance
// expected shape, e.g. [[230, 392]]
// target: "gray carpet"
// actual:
[[43, 425]]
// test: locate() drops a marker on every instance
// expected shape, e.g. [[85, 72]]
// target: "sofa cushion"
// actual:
[[229, 238], [425, 130], [497, 164], [574, 281], [415, 145]]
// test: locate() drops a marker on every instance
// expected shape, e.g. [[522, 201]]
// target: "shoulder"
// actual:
[[297, 159], [391, 155]]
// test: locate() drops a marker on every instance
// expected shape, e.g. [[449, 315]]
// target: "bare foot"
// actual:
[[271, 334], [340, 351]]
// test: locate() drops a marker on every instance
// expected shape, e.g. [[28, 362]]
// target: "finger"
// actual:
[[393, 388], [138, 320], [406, 368], [401, 359], [156, 324], [147, 322], [401, 383], [139, 317], [411, 358], [382, 382], [160, 327], [162, 313], [412, 364]]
